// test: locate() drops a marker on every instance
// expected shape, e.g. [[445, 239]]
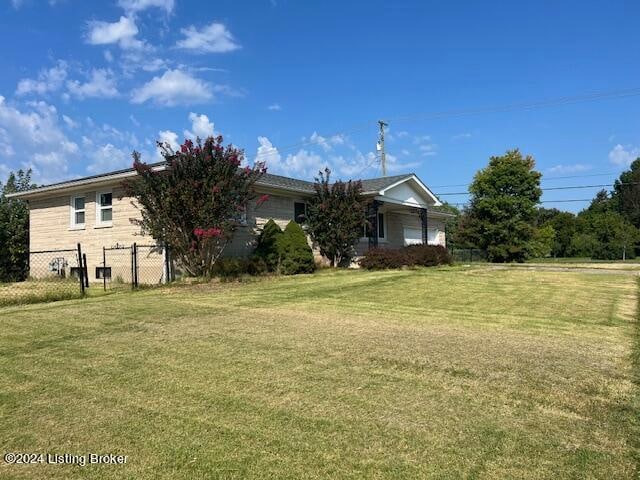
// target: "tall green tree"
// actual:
[[335, 217], [14, 228], [502, 209], [626, 194], [564, 226]]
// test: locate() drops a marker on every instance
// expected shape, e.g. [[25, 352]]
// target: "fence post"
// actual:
[[167, 271], [132, 269], [85, 271], [135, 263], [104, 268], [81, 275]]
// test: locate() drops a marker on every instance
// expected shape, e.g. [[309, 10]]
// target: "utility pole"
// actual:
[[383, 156]]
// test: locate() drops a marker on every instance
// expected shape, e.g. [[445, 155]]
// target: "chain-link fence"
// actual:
[[52, 275], [71, 273], [468, 255]]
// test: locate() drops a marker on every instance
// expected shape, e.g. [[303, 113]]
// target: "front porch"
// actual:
[[395, 226]]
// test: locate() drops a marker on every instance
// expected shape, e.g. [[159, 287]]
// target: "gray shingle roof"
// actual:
[[380, 183], [368, 185], [267, 180], [278, 181]]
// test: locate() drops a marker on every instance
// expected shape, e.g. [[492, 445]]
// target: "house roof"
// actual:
[[370, 186]]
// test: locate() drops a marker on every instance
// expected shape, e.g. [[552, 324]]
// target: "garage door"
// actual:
[[413, 236]]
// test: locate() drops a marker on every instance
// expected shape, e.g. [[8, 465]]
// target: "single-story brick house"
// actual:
[[96, 212]]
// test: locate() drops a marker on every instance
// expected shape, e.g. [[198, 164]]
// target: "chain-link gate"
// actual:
[[129, 266]]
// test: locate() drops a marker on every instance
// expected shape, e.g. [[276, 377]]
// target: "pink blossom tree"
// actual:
[[195, 204]]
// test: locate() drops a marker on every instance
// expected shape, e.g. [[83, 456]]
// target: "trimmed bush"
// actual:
[[411, 256], [231, 268], [296, 255], [267, 248]]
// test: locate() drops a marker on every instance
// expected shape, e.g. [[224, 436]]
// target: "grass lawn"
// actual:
[[34, 291], [441, 373]]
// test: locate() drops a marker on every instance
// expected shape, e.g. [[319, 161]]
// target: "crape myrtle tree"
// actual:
[[195, 205], [335, 217], [502, 209]]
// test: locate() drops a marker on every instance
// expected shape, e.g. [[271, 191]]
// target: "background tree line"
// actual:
[[503, 217]]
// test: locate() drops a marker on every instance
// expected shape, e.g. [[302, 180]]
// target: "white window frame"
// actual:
[[100, 208], [384, 239], [72, 212]]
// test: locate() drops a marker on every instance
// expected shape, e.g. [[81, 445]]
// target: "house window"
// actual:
[[104, 208], [367, 227], [103, 272], [76, 272], [77, 212], [299, 212]]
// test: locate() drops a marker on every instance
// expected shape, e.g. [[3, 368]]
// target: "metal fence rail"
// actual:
[[468, 255]]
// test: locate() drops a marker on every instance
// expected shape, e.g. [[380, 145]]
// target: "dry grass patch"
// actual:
[[442, 373]]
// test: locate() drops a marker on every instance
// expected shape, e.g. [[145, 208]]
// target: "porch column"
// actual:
[[425, 224], [372, 217]]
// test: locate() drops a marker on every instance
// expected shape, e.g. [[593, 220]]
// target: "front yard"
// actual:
[[440, 373]]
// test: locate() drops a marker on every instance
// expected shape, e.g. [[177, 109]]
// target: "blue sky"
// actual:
[[301, 84]]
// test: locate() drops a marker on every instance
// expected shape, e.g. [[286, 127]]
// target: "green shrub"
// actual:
[[230, 267], [411, 256], [428, 255], [296, 255], [267, 248]]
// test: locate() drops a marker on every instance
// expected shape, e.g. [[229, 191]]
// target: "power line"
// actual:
[[568, 187], [567, 100], [544, 179], [552, 102], [542, 201]]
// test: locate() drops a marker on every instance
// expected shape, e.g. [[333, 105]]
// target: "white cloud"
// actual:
[[620, 155], [425, 146], [303, 164], [327, 143], [167, 136], [123, 32], [306, 164], [134, 6], [17, 3], [101, 85], [267, 152], [172, 88], [574, 168], [107, 158], [35, 137], [70, 122], [461, 136], [48, 80], [428, 149], [200, 127], [213, 38], [274, 107]]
